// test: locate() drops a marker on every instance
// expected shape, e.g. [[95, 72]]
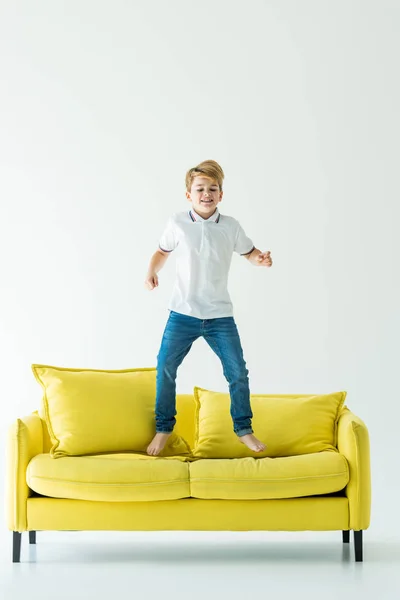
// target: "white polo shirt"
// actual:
[[204, 249]]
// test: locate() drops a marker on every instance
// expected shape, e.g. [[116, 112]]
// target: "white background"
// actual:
[[104, 106]]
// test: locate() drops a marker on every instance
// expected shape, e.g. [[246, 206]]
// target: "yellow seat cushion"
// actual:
[[287, 424], [265, 478], [110, 477], [89, 411]]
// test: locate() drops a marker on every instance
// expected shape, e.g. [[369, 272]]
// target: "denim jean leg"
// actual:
[[223, 337], [177, 340]]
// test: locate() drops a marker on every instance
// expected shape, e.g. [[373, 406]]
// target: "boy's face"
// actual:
[[204, 196]]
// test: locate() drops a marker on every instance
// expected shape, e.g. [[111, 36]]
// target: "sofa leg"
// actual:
[[358, 545], [16, 547], [32, 537], [346, 536]]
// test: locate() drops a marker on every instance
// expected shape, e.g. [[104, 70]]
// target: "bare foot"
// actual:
[[252, 442], [157, 444]]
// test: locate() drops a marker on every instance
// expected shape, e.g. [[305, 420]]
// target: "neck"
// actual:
[[204, 216]]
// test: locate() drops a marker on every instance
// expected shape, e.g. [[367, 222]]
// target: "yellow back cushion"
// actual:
[[89, 411], [288, 425], [185, 417], [185, 421]]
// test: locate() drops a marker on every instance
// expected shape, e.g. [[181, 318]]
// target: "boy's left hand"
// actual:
[[264, 259]]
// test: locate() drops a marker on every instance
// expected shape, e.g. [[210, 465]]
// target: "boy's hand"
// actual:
[[151, 281], [264, 259]]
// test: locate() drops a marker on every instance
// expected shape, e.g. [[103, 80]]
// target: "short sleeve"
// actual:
[[168, 240], [243, 244]]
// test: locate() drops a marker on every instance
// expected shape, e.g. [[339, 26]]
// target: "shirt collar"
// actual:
[[196, 217]]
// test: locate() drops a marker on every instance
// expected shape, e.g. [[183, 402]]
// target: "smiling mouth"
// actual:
[[206, 201]]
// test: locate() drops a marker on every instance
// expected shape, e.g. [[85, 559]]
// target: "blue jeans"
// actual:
[[222, 336]]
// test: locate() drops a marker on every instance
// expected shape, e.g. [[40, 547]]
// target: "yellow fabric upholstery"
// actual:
[[110, 477], [287, 424], [184, 428], [24, 441], [28, 457], [317, 513], [89, 411], [185, 417], [265, 478], [353, 444], [130, 477]]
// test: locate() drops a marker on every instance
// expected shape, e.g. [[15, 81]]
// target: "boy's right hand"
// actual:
[[151, 281]]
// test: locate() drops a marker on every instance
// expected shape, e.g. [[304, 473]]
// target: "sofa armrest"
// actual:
[[24, 441], [353, 443]]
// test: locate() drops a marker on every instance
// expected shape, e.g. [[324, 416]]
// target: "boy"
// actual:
[[200, 305]]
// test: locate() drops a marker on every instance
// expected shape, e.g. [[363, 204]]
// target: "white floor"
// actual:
[[194, 565]]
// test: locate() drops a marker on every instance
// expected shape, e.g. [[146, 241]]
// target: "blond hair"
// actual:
[[207, 168]]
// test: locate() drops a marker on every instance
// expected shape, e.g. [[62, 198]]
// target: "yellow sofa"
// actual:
[[321, 491]]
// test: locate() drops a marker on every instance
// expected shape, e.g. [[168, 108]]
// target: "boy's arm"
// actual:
[[157, 262], [258, 258], [254, 256]]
